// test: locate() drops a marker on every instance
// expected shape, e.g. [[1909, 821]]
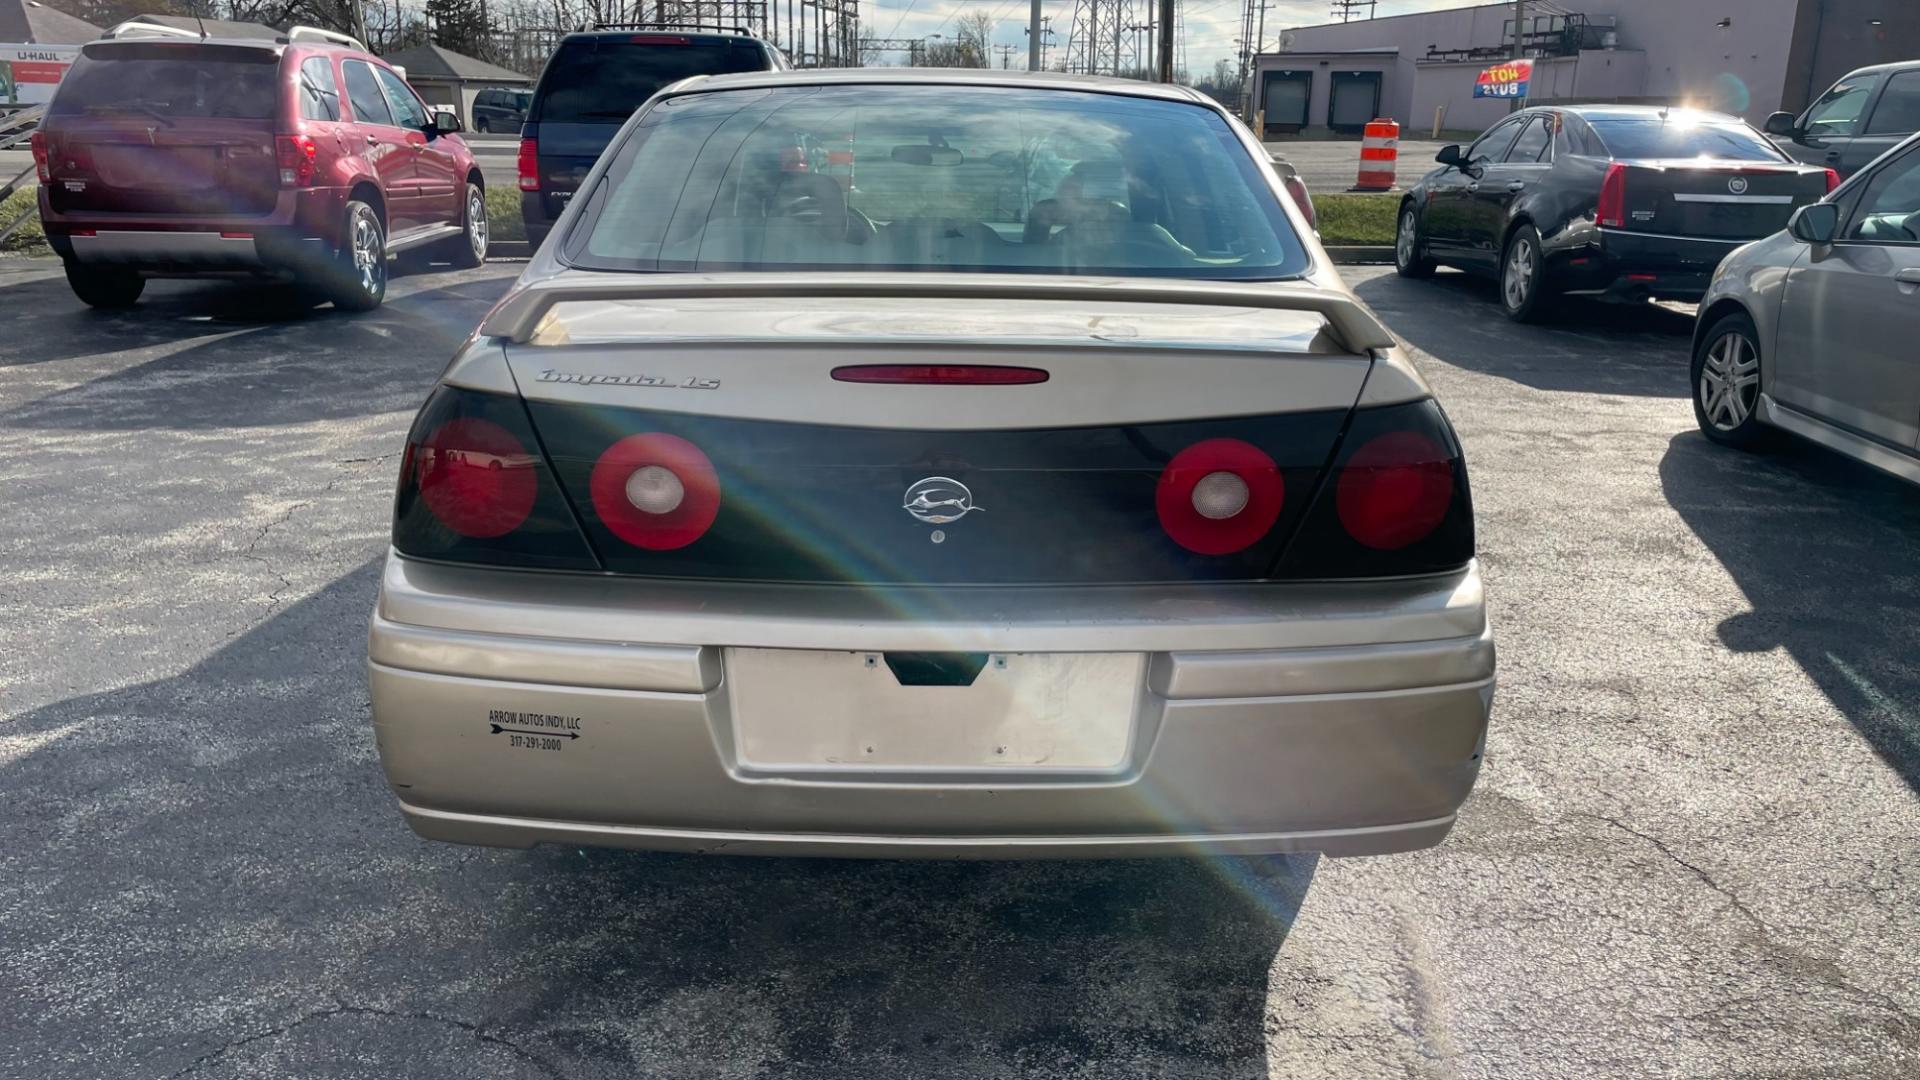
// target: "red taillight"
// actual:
[[296, 154], [475, 477], [1395, 490], [660, 39], [1833, 180], [41, 167], [1219, 496], [1297, 191], [82, 232], [529, 165], [236, 236], [940, 374], [1611, 212], [655, 491]]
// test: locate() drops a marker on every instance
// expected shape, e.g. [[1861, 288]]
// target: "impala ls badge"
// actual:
[[1737, 185], [938, 500]]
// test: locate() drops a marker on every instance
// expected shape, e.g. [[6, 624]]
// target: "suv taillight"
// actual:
[[1396, 501], [529, 165], [1611, 212], [41, 168], [296, 154], [475, 488]]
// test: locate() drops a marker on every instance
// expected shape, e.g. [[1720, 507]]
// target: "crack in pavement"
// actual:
[[1821, 969], [339, 1008]]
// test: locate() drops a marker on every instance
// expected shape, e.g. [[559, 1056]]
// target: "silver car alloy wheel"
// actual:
[[477, 222], [1517, 283], [369, 257], [1403, 243], [1730, 381]]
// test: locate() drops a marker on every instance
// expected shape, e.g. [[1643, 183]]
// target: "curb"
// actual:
[[509, 249], [1356, 255]]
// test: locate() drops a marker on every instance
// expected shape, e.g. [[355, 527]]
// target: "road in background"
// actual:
[[1690, 852], [1330, 167]]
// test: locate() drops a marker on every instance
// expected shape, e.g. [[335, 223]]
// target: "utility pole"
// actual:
[[1033, 37], [1164, 53], [1006, 56], [1118, 29], [1519, 43]]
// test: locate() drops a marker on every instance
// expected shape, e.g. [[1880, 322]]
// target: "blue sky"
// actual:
[[1211, 24]]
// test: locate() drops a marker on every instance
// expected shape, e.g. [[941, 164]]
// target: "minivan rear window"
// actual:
[[601, 81], [1655, 138], [169, 81]]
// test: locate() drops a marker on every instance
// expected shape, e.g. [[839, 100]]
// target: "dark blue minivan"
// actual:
[[594, 81]]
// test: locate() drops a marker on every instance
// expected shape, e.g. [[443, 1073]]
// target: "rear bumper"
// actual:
[[1346, 719], [303, 226], [1644, 264]]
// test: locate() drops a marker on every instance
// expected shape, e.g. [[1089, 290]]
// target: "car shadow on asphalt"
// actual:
[[234, 356], [47, 323], [225, 835], [1825, 550], [1589, 346]]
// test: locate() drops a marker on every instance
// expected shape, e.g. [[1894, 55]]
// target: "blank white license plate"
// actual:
[[800, 708]]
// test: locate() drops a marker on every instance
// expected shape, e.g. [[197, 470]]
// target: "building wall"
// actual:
[[1396, 81], [1741, 68], [1451, 86], [1836, 36]]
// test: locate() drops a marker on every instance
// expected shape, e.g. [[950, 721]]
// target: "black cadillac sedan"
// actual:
[[1621, 201]]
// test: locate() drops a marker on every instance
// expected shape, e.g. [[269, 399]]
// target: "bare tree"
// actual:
[[973, 37]]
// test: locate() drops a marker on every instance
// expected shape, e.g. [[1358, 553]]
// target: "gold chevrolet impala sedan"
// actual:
[[912, 463]]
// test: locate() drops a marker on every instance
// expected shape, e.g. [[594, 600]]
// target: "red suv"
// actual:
[[304, 158]]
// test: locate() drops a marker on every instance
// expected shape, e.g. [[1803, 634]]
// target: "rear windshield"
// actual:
[[1654, 138], [936, 179], [602, 81], [173, 81]]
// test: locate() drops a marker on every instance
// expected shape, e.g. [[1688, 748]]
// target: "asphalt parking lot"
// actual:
[[1691, 853]]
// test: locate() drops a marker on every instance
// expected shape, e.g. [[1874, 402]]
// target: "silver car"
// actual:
[[1814, 330], [912, 463]]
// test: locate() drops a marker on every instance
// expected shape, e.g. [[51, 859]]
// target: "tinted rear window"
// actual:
[[924, 178], [173, 80], [1676, 138], [603, 81]]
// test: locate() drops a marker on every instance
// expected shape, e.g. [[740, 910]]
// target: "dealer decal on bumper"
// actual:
[[533, 731]]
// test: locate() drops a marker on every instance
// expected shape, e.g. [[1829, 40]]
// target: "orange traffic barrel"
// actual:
[[1379, 154]]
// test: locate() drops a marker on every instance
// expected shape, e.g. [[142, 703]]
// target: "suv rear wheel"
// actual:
[[359, 270], [105, 287]]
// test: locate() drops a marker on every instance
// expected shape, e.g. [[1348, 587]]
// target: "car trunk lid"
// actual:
[[821, 479], [1720, 200]]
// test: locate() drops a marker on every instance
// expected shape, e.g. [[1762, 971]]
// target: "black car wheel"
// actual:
[[1409, 250], [359, 271], [480, 125], [105, 287], [1726, 383], [1523, 280]]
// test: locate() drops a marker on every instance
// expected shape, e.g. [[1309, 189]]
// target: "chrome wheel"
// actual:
[[369, 254], [1522, 264], [477, 222], [1403, 243], [1729, 381]]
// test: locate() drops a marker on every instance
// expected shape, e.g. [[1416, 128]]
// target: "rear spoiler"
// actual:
[[517, 316]]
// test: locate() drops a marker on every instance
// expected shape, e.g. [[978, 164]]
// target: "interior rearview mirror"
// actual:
[[1817, 223], [447, 122], [1780, 123], [1449, 155]]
